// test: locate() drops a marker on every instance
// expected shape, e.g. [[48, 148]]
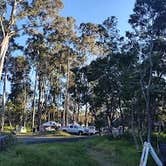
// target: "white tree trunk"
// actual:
[[34, 98], [7, 35], [67, 94], [3, 102], [3, 49]]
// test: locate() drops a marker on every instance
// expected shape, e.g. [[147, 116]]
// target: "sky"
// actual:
[[96, 11]]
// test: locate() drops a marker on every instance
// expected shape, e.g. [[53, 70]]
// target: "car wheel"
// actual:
[[64, 130]]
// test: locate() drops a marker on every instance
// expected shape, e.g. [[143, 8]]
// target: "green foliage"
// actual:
[[100, 121]]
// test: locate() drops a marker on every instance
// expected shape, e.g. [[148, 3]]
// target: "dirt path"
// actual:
[[100, 157]]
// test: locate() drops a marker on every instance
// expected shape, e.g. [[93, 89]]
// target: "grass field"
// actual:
[[95, 152]]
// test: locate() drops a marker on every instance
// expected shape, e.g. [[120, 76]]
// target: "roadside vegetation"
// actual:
[[99, 151]]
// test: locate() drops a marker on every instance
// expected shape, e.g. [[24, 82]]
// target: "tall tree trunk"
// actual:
[[10, 124], [67, 94], [78, 112], [121, 115], [63, 117], [86, 114], [3, 49], [4, 101], [133, 129], [146, 93], [40, 102], [34, 103], [25, 102], [149, 116], [108, 121], [46, 98], [74, 113]]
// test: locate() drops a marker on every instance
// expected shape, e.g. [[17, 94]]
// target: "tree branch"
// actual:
[[151, 64], [2, 27], [12, 19]]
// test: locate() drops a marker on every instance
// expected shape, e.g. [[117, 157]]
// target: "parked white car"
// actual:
[[51, 125], [74, 129], [91, 130]]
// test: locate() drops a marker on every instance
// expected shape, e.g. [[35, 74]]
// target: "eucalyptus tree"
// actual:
[[19, 15], [101, 40], [37, 52], [63, 40], [92, 38], [70, 48], [52, 50], [79, 92], [4, 97], [104, 78], [148, 22], [19, 69]]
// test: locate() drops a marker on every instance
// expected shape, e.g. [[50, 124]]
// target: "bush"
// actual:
[[7, 141]]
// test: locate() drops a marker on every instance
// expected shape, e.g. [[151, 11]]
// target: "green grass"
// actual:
[[94, 152], [117, 152], [68, 154]]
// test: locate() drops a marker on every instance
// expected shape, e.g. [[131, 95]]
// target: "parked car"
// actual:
[[74, 129], [91, 130], [51, 125], [105, 131]]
